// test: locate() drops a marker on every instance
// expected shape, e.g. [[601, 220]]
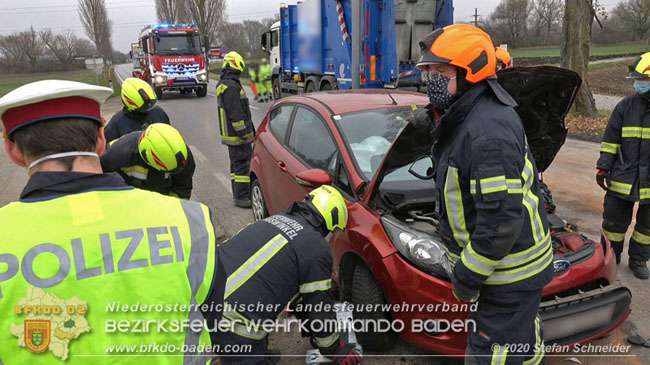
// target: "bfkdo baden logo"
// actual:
[[50, 323], [37, 334]]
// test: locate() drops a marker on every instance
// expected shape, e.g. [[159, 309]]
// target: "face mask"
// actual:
[[642, 87], [439, 97]]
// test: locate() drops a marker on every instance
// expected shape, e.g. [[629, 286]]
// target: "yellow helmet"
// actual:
[[162, 147], [331, 206], [233, 60], [137, 95], [640, 68]]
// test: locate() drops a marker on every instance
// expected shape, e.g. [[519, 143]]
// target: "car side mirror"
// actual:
[[421, 165], [265, 40], [313, 178]]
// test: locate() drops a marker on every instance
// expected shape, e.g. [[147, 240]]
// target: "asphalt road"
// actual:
[[570, 178]]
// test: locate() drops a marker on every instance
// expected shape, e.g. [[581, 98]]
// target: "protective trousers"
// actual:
[[508, 329], [237, 350], [240, 159], [617, 217]]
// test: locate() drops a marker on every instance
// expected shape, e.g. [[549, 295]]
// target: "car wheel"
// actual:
[[202, 91], [257, 200], [159, 93], [277, 90], [366, 290]]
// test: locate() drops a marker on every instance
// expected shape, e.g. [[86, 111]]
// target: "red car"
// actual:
[[360, 142]]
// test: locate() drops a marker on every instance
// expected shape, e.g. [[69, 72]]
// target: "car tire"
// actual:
[[277, 89], [258, 202], [202, 91], [159, 93], [366, 290]]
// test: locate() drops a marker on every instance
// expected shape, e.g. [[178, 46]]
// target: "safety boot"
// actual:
[[243, 203], [639, 269]]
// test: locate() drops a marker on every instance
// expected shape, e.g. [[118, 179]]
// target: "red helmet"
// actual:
[[460, 45]]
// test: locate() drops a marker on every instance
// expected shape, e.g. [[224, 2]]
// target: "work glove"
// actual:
[[602, 178], [347, 354], [464, 297], [420, 119]]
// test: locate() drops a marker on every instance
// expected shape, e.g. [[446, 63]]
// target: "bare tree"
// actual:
[[578, 18], [13, 57], [171, 11], [208, 15], [513, 15], [635, 16], [548, 13], [98, 27], [31, 46], [63, 46]]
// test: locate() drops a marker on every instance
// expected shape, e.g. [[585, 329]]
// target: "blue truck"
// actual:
[[312, 47]]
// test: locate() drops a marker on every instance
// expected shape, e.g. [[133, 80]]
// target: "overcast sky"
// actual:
[[130, 16]]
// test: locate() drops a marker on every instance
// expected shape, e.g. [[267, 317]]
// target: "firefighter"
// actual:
[[236, 126], [156, 159], [504, 61], [623, 170], [492, 218], [254, 81], [79, 240], [139, 110], [265, 79], [279, 260]]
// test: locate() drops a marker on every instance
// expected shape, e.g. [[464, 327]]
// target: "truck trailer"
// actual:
[[312, 47]]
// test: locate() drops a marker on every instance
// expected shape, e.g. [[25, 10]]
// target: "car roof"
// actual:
[[347, 101]]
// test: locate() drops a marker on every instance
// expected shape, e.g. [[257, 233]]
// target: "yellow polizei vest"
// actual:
[[104, 277]]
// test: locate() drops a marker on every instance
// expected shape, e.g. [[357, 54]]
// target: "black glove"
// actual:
[[602, 177], [346, 354], [420, 119]]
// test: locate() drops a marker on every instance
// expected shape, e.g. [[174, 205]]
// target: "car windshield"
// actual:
[[370, 134], [178, 45]]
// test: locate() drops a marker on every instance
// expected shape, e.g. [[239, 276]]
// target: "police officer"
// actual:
[[79, 242], [156, 159], [279, 260], [236, 126], [492, 218], [139, 110], [623, 170]]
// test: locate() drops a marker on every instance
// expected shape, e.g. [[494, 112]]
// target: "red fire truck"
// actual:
[[173, 59]]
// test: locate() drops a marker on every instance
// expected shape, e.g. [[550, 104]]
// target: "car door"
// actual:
[[310, 145]]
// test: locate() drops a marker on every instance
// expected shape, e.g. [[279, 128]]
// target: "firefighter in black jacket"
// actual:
[[140, 110], [156, 159], [491, 211], [236, 126], [623, 170], [280, 260]]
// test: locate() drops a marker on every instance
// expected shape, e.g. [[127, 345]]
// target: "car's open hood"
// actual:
[[544, 96]]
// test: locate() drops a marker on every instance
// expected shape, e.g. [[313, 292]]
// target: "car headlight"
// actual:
[[159, 79], [202, 76], [422, 250]]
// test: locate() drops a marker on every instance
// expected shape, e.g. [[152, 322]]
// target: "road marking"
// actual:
[[222, 179], [199, 155], [254, 107]]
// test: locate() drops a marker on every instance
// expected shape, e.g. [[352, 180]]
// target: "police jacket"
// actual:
[[125, 122], [492, 212], [280, 260], [625, 150], [123, 157], [235, 121]]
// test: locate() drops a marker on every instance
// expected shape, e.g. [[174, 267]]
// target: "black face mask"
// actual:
[[439, 97]]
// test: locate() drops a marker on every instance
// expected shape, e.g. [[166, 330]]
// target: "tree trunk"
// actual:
[[578, 16]]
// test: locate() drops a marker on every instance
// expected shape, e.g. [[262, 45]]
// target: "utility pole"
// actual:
[[475, 16]]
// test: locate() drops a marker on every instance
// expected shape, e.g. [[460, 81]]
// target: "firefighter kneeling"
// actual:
[[282, 259]]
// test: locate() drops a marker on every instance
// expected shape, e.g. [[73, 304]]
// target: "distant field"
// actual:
[[598, 50], [9, 82]]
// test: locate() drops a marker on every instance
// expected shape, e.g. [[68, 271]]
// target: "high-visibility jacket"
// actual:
[[252, 74], [125, 122], [279, 260], [265, 73], [625, 150], [234, 113], [493, 221], [83, 274], [123, 157]]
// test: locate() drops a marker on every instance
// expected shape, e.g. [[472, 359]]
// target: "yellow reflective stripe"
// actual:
[[531, 202], [316, 286], [253, 264], [493, 184], [539, 345], [518, 258], [609, 147], [223, 122], [232, 176], [476, 262], [514, 186], [636, 132], [499, 355], [613, 236], [241, 330], [521, 273], [324, 342], [136, 171], [455, 210], [645, 193], [241, 178], [622, 188], [221, 89], [472, 186], [641, 238]]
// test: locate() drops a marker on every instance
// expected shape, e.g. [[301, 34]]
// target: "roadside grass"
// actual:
[[9, 82], [596, 50]]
